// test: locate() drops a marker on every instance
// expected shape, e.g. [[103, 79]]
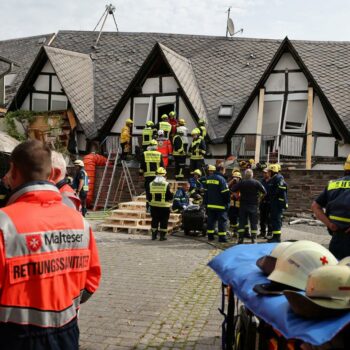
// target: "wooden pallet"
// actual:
[[131, 230], [127, 213]]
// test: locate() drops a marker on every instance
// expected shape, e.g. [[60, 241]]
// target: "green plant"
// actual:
[[23, 117]]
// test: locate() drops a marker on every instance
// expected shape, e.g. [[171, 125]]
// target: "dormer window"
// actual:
[[225, 111]]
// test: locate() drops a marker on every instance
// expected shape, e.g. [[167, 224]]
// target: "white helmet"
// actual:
[[267, 263], [160, 132], [327, 293], [298, 260]]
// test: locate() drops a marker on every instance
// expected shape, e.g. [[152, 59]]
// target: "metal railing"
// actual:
[[277, 146]]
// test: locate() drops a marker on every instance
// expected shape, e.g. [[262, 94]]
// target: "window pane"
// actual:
[[140, 114], [271, 119], [56, 86], [225, 111], [42, 83], [40, 104], [295, 119], [58, 105]]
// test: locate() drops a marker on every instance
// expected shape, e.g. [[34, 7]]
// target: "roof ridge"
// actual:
[[28, 37], [173, 52], [67, 52]]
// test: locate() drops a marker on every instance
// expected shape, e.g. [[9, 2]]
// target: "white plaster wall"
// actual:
[[275, 82], [248, 124], [286, 62], [184, 113], [324, 146], [297, 81], [151, 86], [42, 83], [25, 104], [124, 115], [48, 68], [169, 84], [320, 121], [343, 150], [219, 150]]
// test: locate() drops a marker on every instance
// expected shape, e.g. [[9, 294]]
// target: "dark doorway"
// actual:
[[165, 109]]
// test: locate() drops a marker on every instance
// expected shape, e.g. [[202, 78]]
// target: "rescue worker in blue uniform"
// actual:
[[197, 151], [181, 198], [149, 133], [336, 200], [265, 207], [160, 200], [277, 196], [217, 201], [81, 184], [151, 160], [179, 153]]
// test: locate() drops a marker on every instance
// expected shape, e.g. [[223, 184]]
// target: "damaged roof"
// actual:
[[22, 51]]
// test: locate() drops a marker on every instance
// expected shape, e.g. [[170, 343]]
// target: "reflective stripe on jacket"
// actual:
[[158, 192], [151, 162], [178, 146], [166, 127], [217, 192], [147, 136], [48, 257], [197, 149]]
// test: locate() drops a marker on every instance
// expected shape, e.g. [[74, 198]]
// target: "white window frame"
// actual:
[[295, 97], [276, 97], [142, 100], [59, 98], [163, 100]]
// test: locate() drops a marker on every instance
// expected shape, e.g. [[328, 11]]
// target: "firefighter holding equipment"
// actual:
[[179, 153], [165, 126], [164, 147], [217, 200], [49, 262], [336, 200], [151, 160], [148, 134], [277, 195], [125, 139], [81, 184], [197, 151], [160, 199]]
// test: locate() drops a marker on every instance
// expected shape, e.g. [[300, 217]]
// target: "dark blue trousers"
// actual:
[[219, 216]]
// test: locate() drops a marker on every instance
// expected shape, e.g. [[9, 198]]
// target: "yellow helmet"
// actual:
[[182, 122], [164, 116], [161, 171], [211, 167], [149, 123], [172, 114], [274, 168], [347, 163], [236, 173], [251, 161], [154, 143], [195, 131], [129, 121], [197, 172]]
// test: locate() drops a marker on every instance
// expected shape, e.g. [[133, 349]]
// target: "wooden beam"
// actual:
[[310, 99], [259, 125]]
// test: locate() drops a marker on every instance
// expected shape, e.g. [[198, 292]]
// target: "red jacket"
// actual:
[[49, 262], [69, 196], [173, 123], [165, 148]]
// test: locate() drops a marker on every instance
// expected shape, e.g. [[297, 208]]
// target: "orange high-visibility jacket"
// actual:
[[67, 192], [48, 258], [165, 148]]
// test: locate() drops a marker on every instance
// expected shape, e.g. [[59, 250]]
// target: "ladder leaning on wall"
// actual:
[[106, 183]]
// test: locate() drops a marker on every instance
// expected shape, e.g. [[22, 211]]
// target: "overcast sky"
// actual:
[[299, 19]]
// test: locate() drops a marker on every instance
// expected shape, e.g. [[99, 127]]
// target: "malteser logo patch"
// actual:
[[34, 242]]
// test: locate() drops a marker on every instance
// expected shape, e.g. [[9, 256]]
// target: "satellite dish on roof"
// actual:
[[230, 26]]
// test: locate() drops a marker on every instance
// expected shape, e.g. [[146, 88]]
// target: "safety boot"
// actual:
[[276, 238], [262, 234], [163, 236], [154, 235], [210, 237], [253, 237], [222, 239]]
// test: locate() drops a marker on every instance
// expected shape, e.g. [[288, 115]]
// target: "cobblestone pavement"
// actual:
[[158, 295]]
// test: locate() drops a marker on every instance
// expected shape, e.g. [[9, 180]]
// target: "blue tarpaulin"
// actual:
[[237, 267]]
